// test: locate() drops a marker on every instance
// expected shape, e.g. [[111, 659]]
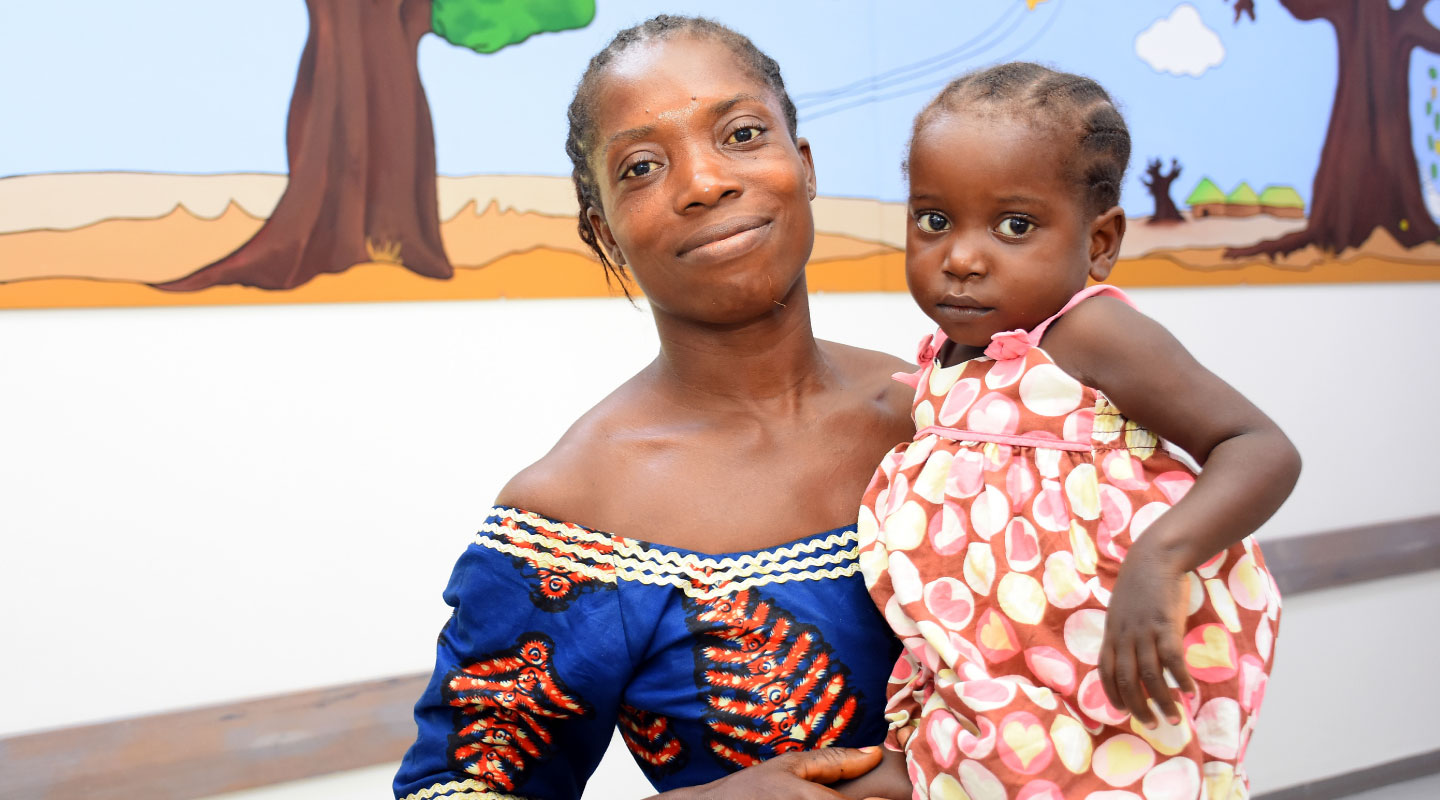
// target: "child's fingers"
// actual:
[[1172, 656], [1127, 685], [1107, 673], [1152, 677]]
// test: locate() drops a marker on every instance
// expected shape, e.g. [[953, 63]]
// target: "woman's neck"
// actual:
[[768, 361]]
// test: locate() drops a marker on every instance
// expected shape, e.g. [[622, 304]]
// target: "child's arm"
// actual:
[[1250, 468]]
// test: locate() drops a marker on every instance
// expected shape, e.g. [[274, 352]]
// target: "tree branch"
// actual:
[[416, 16], [1415, 28], [1306, 10]]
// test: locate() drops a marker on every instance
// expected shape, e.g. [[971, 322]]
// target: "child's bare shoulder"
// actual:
[[1095, 335], [1098, 316]]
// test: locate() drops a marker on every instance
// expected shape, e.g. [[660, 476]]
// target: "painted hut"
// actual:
[[1282, 201], [1243, 202], [1206, 200]]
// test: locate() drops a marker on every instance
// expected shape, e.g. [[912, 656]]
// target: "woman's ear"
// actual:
[[1107, 231], [603, 236], [803, 145]]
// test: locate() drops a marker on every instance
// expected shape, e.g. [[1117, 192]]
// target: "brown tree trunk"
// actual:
[[1367, 177], [1159, 187], [361, 151]]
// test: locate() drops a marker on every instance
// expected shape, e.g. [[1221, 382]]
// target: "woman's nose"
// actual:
[[707, 178]]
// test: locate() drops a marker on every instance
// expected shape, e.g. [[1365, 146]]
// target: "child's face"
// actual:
[[704, 193], [998, 239]]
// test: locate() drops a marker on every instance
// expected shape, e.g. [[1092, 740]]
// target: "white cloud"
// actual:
[[1180, 44]]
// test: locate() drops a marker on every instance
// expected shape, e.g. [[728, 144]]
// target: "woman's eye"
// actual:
[[932, 222], [639, 169], [1015, 226], [746, 134]]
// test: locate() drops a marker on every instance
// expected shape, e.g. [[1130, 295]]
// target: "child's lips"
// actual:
[[962, 308]]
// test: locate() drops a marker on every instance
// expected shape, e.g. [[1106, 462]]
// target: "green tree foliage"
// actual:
[[486, 26]]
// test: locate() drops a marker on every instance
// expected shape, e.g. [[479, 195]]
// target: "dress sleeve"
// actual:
[[527, 686]]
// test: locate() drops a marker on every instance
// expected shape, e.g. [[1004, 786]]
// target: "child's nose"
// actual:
[[965, 257]]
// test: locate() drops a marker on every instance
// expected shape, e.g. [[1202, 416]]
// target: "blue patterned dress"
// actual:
[[707, 662]]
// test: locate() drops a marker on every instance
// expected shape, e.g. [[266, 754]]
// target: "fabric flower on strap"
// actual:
[[925, 354], [1009, 344]]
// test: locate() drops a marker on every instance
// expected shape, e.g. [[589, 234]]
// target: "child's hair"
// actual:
[[580, 141], [1057, 100]]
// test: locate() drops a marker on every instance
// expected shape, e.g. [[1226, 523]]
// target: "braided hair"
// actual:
[[580, 142], [1057, 100]]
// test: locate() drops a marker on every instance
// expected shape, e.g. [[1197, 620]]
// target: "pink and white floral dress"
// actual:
[[991, 543]]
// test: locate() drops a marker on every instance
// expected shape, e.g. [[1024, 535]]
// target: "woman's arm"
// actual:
[[800, 776], [1250, 468]]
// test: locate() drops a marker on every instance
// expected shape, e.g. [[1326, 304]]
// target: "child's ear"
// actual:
[[603, 236], [1106, 232]]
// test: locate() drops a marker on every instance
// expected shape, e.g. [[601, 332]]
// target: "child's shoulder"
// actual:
[[1089, 339], [1097, 316]]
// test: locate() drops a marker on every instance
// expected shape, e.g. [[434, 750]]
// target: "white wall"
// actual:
[[201, 505]]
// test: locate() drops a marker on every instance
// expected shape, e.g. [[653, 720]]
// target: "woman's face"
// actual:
[[705, 196]]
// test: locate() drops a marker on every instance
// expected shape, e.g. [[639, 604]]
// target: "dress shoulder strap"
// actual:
[[1082, 295], [925, 357]]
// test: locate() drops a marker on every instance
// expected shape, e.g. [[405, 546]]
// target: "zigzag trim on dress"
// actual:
[[632, 549], [630, 565], [680, 578], [460, 790]]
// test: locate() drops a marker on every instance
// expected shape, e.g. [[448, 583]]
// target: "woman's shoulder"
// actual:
[[872, 372], [580, 470], [863, 360]]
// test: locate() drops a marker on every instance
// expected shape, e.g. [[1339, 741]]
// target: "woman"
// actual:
[[684, 559]]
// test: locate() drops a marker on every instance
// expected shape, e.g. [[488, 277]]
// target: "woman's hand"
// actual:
[[889, 781], [1144, 636], [797, 776]]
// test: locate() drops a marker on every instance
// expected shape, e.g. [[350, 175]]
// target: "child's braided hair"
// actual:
[[1056, 100], [580, 142]]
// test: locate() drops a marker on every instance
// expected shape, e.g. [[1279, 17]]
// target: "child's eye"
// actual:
[[932, 222], [1015, 226], [639, 169], [749, 133]]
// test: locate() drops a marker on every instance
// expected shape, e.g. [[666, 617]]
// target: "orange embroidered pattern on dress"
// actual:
[[504, 704]]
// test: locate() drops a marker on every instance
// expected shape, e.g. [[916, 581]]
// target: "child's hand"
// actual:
[[1144, 633]]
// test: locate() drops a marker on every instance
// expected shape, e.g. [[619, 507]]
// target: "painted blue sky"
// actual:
[[181, 86]]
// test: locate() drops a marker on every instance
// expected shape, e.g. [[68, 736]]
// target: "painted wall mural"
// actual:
[[274, 152]]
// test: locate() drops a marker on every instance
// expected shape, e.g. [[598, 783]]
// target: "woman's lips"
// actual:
[[724, 239]]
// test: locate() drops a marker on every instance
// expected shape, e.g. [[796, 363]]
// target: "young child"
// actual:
[[1004, 543]]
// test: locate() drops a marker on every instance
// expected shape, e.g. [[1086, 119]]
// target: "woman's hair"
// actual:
[[580, 142], [1058, 101]]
